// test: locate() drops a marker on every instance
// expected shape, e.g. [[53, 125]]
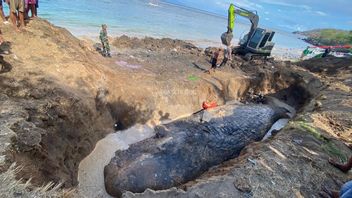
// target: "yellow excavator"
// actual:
[[258, 42]]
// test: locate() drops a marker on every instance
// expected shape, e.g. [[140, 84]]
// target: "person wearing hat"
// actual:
[[105, 40]]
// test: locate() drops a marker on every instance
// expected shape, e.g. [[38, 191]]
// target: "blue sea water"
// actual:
[[146, 18]]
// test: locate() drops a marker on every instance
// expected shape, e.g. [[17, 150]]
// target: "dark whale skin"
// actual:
[[184, 149]]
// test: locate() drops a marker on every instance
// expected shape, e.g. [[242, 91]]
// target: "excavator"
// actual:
[[258, 42]]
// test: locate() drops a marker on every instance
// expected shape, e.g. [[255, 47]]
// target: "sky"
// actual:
[[289, 15]]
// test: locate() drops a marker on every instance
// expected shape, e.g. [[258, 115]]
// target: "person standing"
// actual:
[[326, 52], [305, 52], [36, 8], [17, 9], [2, 15], [227, 37], [1, 39], [105, 40], [32, 7]]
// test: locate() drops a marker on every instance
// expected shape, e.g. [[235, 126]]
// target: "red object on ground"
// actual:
[[209, 105], [334, 47]]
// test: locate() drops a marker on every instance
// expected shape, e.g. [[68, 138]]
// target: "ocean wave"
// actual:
[[153, 4]]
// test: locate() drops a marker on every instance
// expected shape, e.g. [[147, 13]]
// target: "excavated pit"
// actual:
[[292, 99], [53, 126], [56, 156]]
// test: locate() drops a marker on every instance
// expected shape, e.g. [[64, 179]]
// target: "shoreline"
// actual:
[[279, 53]]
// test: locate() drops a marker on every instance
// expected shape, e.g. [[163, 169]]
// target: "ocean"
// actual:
[[147, 18]]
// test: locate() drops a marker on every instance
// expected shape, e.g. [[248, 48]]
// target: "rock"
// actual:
[[242, 185], [3, 97], [323, 97], [2, 159], [100, 99], [252, 161], [27, 135], [172, 192], [297, 141], [318, 104], [37, 93]]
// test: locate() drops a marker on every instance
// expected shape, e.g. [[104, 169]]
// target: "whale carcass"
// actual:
[[184, 149]]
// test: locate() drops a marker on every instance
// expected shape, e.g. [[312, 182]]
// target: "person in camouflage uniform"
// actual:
[[105, 40]]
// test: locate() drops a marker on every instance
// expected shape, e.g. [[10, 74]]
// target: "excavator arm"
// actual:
[[252, 16]]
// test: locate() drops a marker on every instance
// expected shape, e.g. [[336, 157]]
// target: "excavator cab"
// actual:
[[258, 42]]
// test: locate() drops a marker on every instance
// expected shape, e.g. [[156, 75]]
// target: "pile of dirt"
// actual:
[[153, 44], [331, 67]]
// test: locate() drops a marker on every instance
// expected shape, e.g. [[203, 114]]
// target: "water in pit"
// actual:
[[91, 169], [281, 123], [278, 125]]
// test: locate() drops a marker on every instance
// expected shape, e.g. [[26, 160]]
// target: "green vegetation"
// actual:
[[328, 37], [328, 146], [193, 78], [308, 128], [335, 37], [333, 150]]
